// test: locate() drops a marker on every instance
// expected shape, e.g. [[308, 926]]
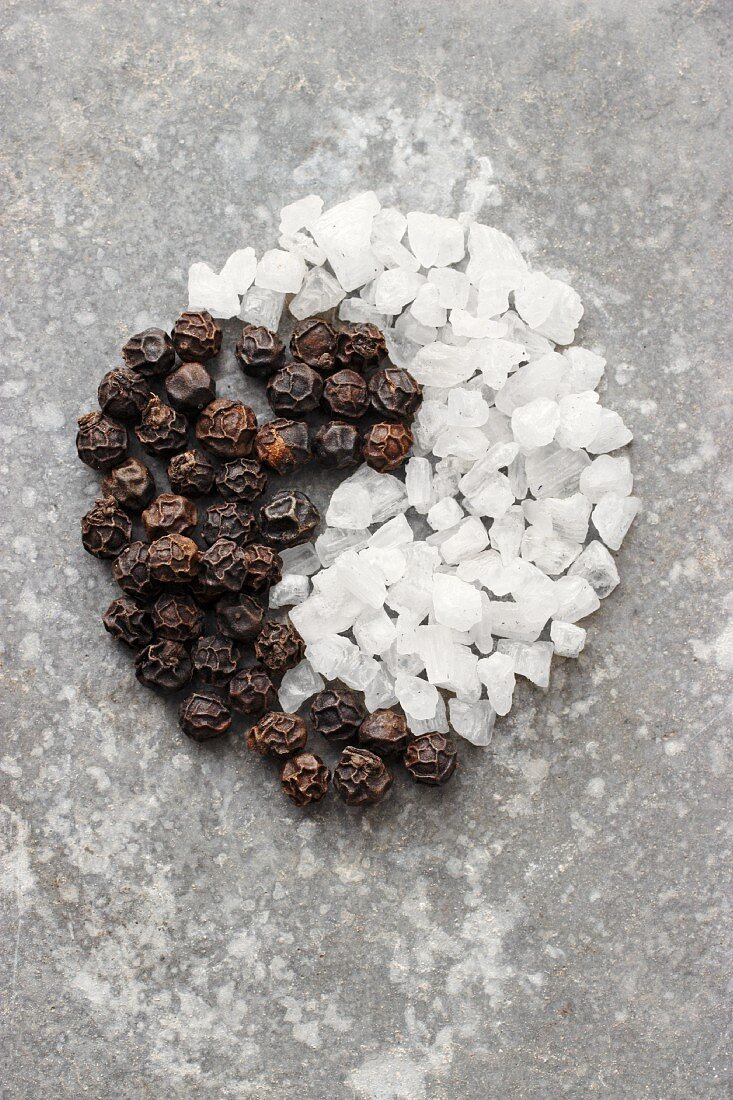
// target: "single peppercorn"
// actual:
[[100, 442], [394, 393], [165, 666], [346, 395], [262, 568], [162, 430], [360, 345], [169, 514], [314, 342], [289, 519], [260, 352], [295, 390], [105, 529], [277, 734], [223, 567], [305, 778], [191, 473], [150, 353], [283, 445], [203, 715], [123, 393], [337, 445], [361, 777], [196, 336], [190, 387], [252, 691], [279, 646], [131, 484], [384, 732], [337, 714], [177, 617], [241, 479], [129, 622], [431, 758], [239, 617], [227, 428], [173, 559], [215, 658], [131, 570], [386, 446], [229, 521]]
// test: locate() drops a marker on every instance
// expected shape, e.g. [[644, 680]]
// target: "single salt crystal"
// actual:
[[580, 418], [455, 603], [534, 424], [612, 433], [374, 631], [406, 625], [464, 680], [387, 493], [395, 532], [215, 293], [506, 534], [302, 560], [440, 364], [597, 567], [360, 672], [300, 214], [416, 696], [390, 561], [380, 692], [436, 241], [576, 599], [344, 233], [361, 579], [402, 350], [480, 635], [444, 513], [360, 312], [414, 331], [531, 661], [438, 723], [321, 616], [565, 517], [398, 664], [468, 444], [389, 225], [394, 254], [549, 306], [535, 346], [350, 507], [467, 408], [499, 430], [395, 287], [437, 538], [554, 471], [262, 307], [280, 270], [496, 263], [411, 595], [485, 569], [426, 307], [303, 245], [549, 553], [604, 475], [497, 674], [567, 638], [469, 539], [464, 323], [496, 359], [532, 587], [291, 590], [584, 372], [419, 483], [319, 293], [435, 646], [473, 721], [329, 655], [512, 620], [239, 270], [446, 476], [446, 335], [493, 498], [517, 477], [452, 286], [422, 560], [368, 292], [612, 517], [474, 480], [335, 541], [297, 685], [540, 378]]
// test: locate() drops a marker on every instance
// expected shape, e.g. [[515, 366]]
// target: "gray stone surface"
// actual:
[[554, 923]]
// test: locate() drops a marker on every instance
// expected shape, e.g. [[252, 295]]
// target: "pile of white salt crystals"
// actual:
[[479, 566]]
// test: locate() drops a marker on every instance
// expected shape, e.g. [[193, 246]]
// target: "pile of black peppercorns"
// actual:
[[193, 612]]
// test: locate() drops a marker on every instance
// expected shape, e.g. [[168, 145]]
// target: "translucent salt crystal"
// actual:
[[402, 350], [467, 408], [414, 331], [379, 692], [566, 517], [436, 241], [495, 262], [303, 245], [576, 599], [262, 307], [511, 620], [464, 681], [435, 646], [580, 418], [297, 685], [549, 306], [612, 433], [387, 493], [517, 477], [416, 696], [612, 517], [374, 631], [329, 655], [207, 290], [422, 561], [530, 661], [398, 664], [350, 507], [344, 233], [535, 346], [369, 293], [426, 307], [464, 323], [419, 483], [361, 579], [395, 287], [395, 532], [394, 254], [540, 378], [480, 635], [440, 364], [360, 672], [452, 286], [291, 590], [473, 721], [493, 498], [360, 312], [534, 424], [406, 625], [280, 270], [446, 476], [390, 561], [567, 638], [445, 513], [438, 723], [554, 471], [334, 542], [300, 214], [446, 335], [322, 615], [470, 538], [474, 480], [496, 359], [596, 566], [319, 293], [584, 372], [506, 534], [439, 537], [487, 570], [301, 560], [455, 603], [466, 443], [411, 596], [497, 674], [532, 588], [389, 224], [499, 430], [549, 553], [239, 270], [606, 474]]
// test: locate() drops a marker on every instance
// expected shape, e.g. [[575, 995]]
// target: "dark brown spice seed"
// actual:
[[295, 390], [177, 617], [227, 428], [337, 714], [196, 336], [337, 445], [346, 395], [223, 567], [229, 521], [279, 646], [215, 658], [203, 715], [123, 393], [190, 387], [239, 617], [100, 442], [105, 529], [128, 621], [431, 758], [305, 779], [262, 568], [169, 514], [191, 473], [394, 393], [241, 479], [131, 570], [384, 732], [361, 777], [150, 353], [259, 352], [173, 559], [277, 734], [162, 430], [164, 666], [314, 342], [386, 446], [131, 484], [289, 519], [283, 445], [252, 691], [360, 345]]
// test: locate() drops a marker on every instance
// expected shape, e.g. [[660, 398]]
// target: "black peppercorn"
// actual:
[[386, 446], [227, 428], [223, 567], [215, 658], [279, 646], [314, 342], [190, 387], [262, 568], [394, 393], [131, 484], [191, 473], [431, 758], [100, 442], [177, 617], [277, 734], [203, 715], [239, 617], [128, 621], [241, 479], [283, 445], [150, 353], [123, 393], [252, 691], [384, 732], [131, 570], [105, 529], [361, 777], [162, 430], [295, 390], [164, 666], [346, 395], [259, 352], [173, 559], [360, 345], [196, 336], [289, 519], [229, 521], [305, 778], [169, 514], [337, 714], [337, 445]]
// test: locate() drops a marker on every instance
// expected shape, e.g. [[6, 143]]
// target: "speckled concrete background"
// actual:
[[554, 923]]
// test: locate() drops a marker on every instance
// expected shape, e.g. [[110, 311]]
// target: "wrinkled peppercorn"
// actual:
[[277, 734], [386, 446], [215, 658], [431, 758], [128, 621], [177, 617], [295, 390], [360, 345], [203, 715], [361, 777], [346, 395], [131, 484], [262, 568], [150, 353], [384, 732], [223, 567], [337, 714], [190, 387], [123, 393], [164, 666], [162, 430], [337, 445], [229, 521], [227, 428], [314, 342], [279, 646], [283, 445], [105, 529], [252, 691], [100, 442], [131, 570], [173, 559], [260, 352], [394, 393], [239, 617], [289, 519], [196, 336], [191, 473], [242, 479], [305, 778], [169, 514]]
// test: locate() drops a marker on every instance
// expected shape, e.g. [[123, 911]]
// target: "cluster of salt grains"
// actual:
[[522, 517]]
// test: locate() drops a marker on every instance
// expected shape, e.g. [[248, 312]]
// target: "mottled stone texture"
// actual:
[[551, 924]]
